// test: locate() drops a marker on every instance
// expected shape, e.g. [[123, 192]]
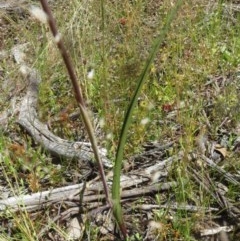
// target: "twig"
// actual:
[[212, 231], [186, 207], [226, 175]]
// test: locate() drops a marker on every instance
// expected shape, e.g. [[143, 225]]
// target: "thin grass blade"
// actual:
[[117, 210]]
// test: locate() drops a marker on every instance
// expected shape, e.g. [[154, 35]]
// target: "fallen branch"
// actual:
[[40, 132], [216, 230], [132, 186]]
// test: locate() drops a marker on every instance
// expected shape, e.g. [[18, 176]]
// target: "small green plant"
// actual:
[[117, 210]]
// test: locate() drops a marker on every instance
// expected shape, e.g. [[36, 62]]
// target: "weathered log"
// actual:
[[133, 184], [40, 132]]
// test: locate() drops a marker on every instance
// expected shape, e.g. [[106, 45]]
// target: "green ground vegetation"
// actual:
[[113, 42]]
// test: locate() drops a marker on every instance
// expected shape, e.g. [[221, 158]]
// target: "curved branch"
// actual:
[[55, 145]]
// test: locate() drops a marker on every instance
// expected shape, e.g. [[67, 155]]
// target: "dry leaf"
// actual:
[[221, 150], [75, 231]]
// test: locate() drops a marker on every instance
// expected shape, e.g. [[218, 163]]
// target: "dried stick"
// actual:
[[77, 92]]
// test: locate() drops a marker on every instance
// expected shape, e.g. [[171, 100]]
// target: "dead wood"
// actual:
[[132, 185], [40, 133], [12, 4]]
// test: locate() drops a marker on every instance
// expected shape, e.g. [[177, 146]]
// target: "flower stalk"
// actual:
[[77, 93]]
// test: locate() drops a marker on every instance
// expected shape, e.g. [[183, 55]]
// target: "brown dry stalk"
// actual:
[[77, 92]]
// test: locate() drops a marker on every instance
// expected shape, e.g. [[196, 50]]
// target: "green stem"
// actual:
[[117, 210]]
